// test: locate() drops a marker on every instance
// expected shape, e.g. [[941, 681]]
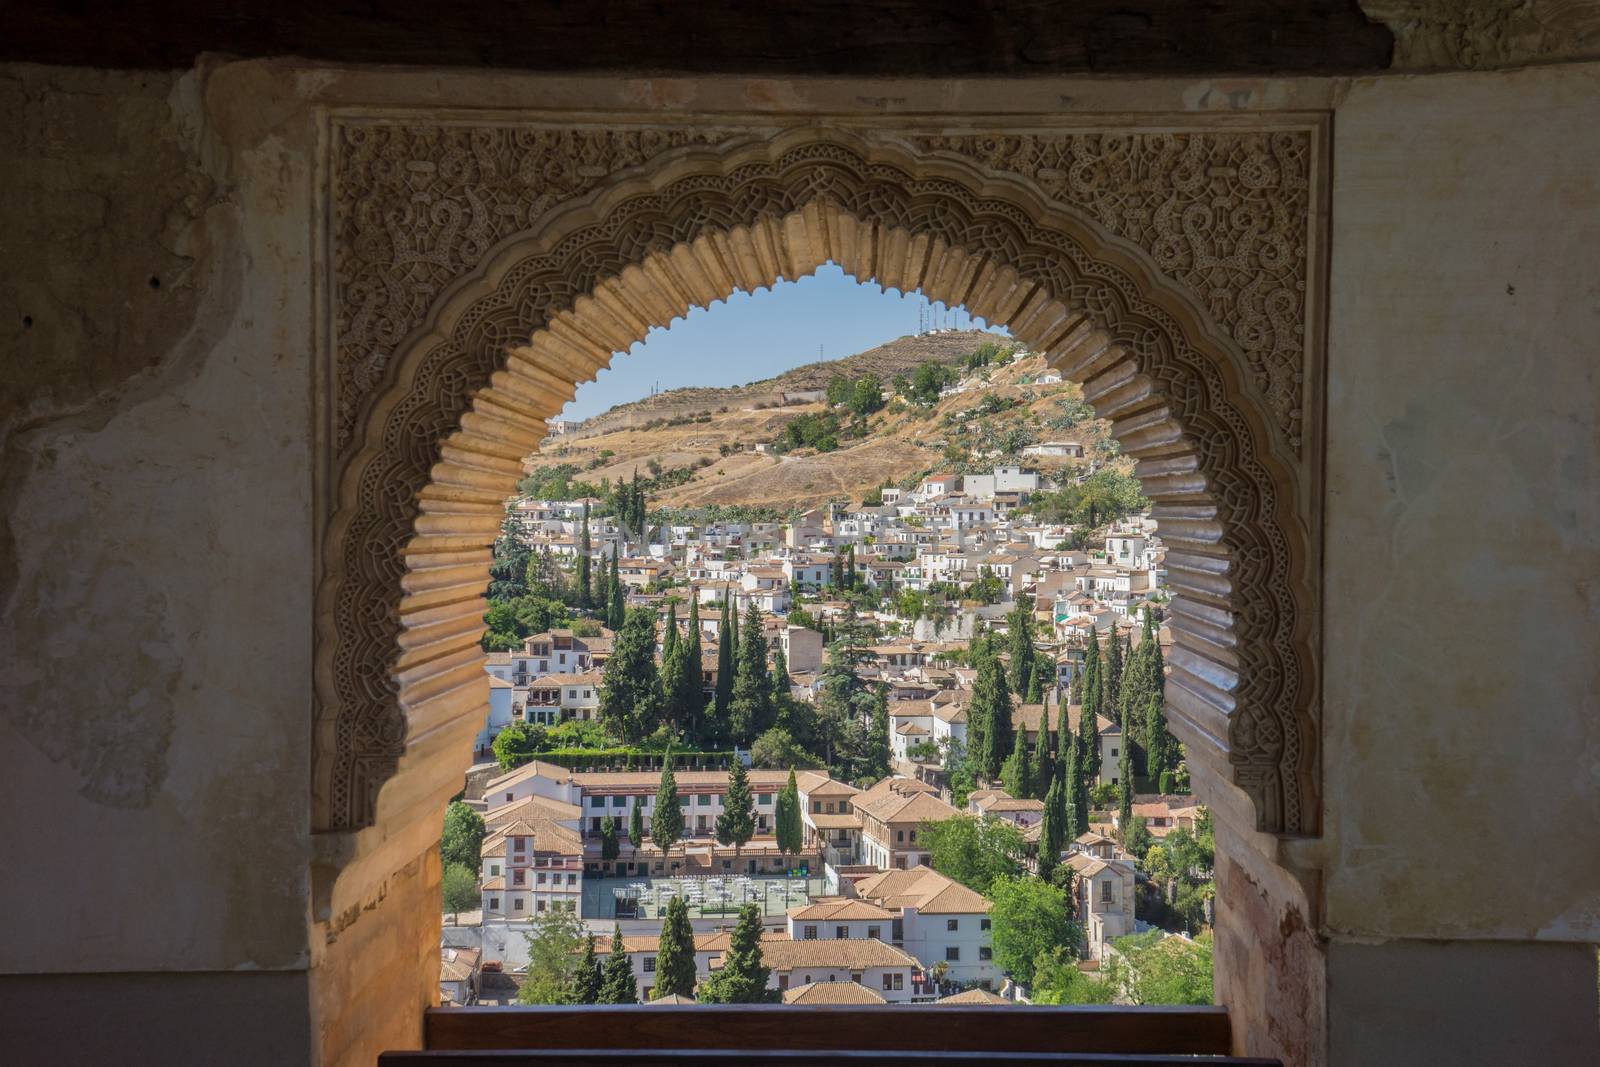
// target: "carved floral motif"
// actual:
[[1222, 214]]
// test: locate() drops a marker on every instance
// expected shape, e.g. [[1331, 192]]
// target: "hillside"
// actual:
[[899, 356], [710, 448]]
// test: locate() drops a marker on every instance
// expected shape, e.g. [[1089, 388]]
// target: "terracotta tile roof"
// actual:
[[832, 993], [852, 953], [674, 998], [922, 888], [841, 910], [918, 806], [820, 785], [532, 809], [975, 996], [495, 884], [829, 821]]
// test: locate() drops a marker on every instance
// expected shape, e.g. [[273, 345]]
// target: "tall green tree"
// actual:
[[616, 604], [1030, 918], [1125, 783], [1071, 783], [610, 847], [975, 850], [743, 976], [585, 564], [586, 983], [1021, 782], [789, 826], [1089, 696], [1044, 766], [1090, 729], [666, 822], [669, 632], [737, 823], [750, 712], [630, 690], [617, 985], [554, 951], [1111, 681], [636, 825], [460, 886], [1053, 830], [727, 664], [680, 681], [780, 683], [1019, 639], [693, 697], [675, 953], [878, 752], [462, 840], [1079, 786], [1038, 681], [991, 702]]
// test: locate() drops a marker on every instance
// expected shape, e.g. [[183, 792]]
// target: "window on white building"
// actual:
[[841, 932], [985, 953], [810, 933]]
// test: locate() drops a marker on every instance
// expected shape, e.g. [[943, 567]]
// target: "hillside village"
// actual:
[[894, 738]]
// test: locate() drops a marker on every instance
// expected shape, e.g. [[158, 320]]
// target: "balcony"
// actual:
[[823, 1036]]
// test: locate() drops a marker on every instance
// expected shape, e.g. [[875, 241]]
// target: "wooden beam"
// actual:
[[891, 1028], [733, 1058]]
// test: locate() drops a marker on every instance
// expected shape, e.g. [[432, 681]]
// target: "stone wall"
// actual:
[[157, 566]]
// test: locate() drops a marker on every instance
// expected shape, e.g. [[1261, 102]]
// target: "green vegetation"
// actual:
[[743, 977], [790, 829], [554, 956], [460, 885], [975, 850], [617, 984], [666, 824], [1104, 497], [819, 431], [736, 825], [1030, 918], [1157, 969], [462, 841], [1057, 980], [675, 954], [630, 691]]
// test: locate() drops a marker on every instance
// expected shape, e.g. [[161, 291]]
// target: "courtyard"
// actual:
[[708, 897]]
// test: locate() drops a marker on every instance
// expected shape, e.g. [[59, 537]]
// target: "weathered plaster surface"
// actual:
[[1462, 637], [1487, 34], [154, 654]]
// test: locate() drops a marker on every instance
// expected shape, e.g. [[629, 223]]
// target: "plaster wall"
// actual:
[[155, 552], [1463, 479], [157, 558]]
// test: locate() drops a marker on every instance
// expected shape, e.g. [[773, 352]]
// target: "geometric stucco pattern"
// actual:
[[1224, 214], [459, 249]]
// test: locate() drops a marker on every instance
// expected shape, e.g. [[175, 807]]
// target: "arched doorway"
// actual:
[[480, 272]]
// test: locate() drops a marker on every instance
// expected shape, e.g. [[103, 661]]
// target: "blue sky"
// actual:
[[750, 336]]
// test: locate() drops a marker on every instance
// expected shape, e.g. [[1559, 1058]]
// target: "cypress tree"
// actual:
[[1125, 784], [726, 662], [751, 710], [737, 823], [669, 636], [630, 689], [1053, 830], [584, 567], [1111, 680], [616, 605], [878, 752], [780, 679], [617, 984], [1090, 724], [693, 696], [609, 845], [1089, 696], [1080, 792], [1020, 643], [992, 697], [666, 824], [1044, 771], [744, 975], [1071, 781], [850, 567], [587, 988], [675, 953], [636, 825], [1036, 682], [789, 827]]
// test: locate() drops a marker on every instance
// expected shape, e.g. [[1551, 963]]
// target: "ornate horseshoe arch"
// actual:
[[480, 271]]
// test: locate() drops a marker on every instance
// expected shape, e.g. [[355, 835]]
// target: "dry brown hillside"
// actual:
[[1001, 409]]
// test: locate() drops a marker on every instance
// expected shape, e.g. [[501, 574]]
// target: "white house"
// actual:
[[937, 920]]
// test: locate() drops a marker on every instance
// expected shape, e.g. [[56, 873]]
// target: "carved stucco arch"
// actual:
[[433, 448]]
